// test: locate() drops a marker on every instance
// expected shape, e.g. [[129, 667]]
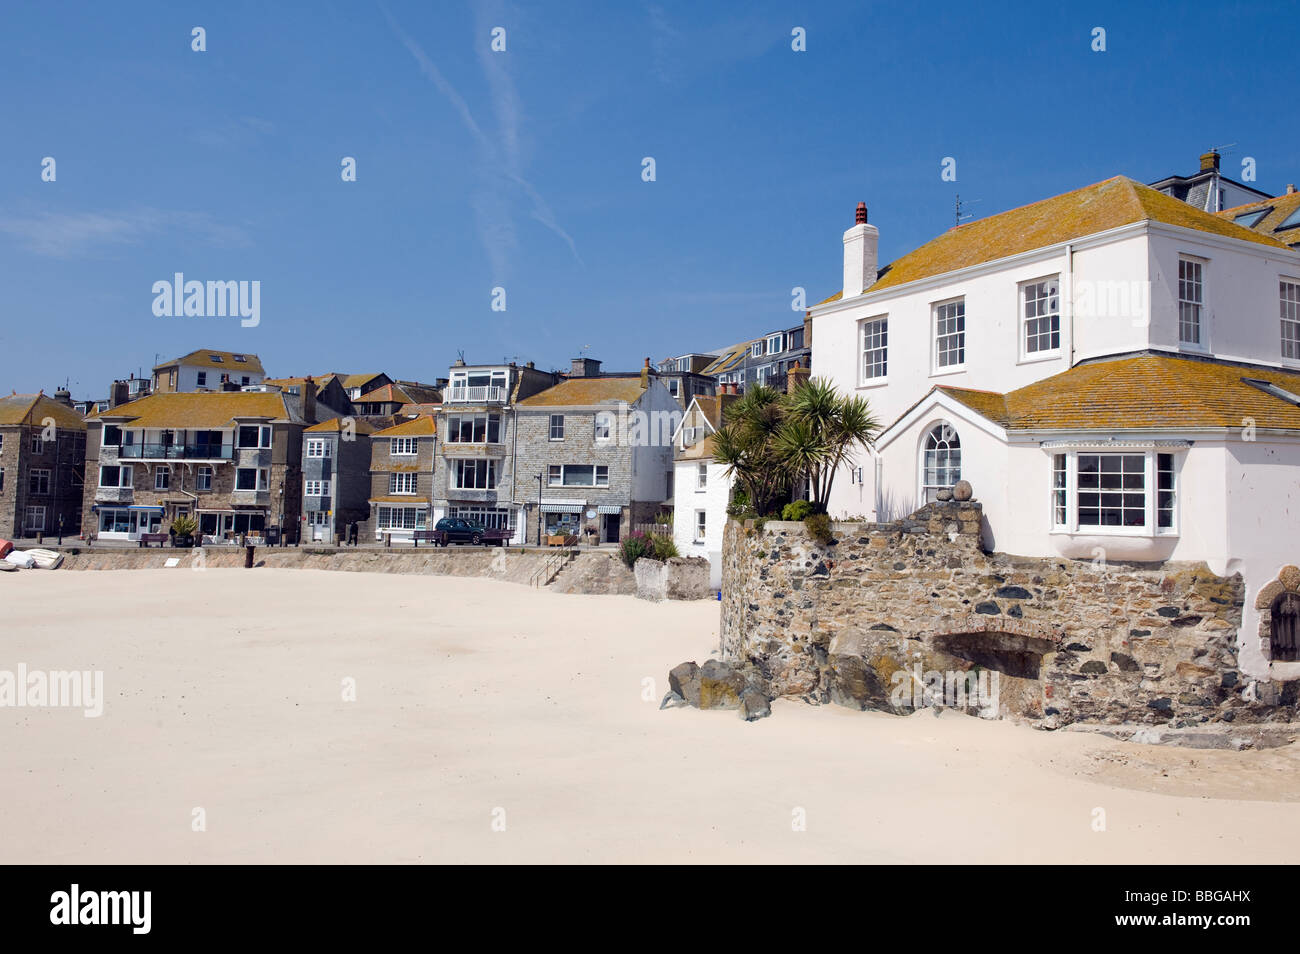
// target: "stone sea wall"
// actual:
[[863, 619]]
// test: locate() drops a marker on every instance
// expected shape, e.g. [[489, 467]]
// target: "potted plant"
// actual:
[[183, 528]]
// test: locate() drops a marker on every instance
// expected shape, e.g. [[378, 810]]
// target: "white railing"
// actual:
[[476, 395]]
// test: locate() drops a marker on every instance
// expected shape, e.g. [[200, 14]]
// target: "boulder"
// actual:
[[672, 700], [684, 680], [754, 705], [720, 685], [854, 680]]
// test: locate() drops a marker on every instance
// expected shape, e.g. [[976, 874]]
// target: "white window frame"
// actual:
[[203, 478], [1052, 296], [776, 343], [1289, 310], [262, 480], [402, 447], [403, 483], [454, 422], [701, 525], [936, 339], [316, 488], [125, 475], [1185, 286], [555, 471], [603, 426], [873, 331], [948, 436], [37, 443], [263, 437], [318, 448], [556, 430], [756, 349], [162, 477], [1151, 489], [701, 478], [456, 470], [28, 524]]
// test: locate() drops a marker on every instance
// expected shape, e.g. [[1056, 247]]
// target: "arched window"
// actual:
[[940, 461], [1284, 628]]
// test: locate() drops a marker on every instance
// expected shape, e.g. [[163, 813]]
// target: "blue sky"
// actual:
[[522, 169]]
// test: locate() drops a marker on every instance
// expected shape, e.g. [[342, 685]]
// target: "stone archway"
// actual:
[[1278, 604]]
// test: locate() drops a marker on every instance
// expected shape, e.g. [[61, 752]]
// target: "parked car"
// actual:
[[450, 530]]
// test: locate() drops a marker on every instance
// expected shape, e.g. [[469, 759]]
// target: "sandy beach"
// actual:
[[483, 705]]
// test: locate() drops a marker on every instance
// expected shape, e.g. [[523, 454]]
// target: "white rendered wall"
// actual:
[[687, 499]]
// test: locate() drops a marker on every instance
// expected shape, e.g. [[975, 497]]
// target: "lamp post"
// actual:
[[539, 509]]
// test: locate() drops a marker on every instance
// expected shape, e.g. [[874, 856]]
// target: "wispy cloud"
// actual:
[[66, 234], [501, 152]]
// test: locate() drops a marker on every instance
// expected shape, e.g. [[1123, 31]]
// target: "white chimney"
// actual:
[[860, 245]]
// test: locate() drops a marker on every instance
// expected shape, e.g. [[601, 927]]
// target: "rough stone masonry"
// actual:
[[849, 620]]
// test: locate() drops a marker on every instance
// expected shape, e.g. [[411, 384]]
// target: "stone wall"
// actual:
[[863, 618], [678, 578]]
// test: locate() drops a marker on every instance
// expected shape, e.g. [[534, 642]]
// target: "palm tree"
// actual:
[[822, 430], [746, 443]]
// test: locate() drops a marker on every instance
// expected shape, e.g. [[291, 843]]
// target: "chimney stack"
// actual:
[[1210, 161], [645, 374], [1290, 188], [860, 246], [309, 400], [63, 396], [584, 368], [117, 394]]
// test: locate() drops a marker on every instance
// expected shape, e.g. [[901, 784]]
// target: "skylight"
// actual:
[[1291, 221], [215, 358], [1251, 219], [1268, 387]]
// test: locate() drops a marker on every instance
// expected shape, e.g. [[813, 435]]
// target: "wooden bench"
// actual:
[[146, 539], [428, 536]]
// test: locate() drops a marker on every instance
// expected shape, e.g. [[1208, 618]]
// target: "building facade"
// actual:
[[206, 370], [401, 481], [42, 467], [336, 480]]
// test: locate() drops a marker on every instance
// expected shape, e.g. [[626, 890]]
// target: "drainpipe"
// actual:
[[1067, 304]]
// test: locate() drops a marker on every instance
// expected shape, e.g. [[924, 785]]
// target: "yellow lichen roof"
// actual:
[[336, 424], [1143, 392], [713, 406], [700, 450], [199, 409], [203, 358], [581, 392], [1280, 209], [421, 426], [1087, 211], [33, 409]]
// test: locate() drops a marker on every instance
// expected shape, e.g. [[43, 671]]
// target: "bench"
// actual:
[[147, 539], [428, 536]]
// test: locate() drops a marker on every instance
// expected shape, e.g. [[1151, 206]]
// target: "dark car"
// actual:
[[455, 530]]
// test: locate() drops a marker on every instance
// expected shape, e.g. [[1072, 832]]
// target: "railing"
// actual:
[[545, 574], [476, 395], [176, 451]]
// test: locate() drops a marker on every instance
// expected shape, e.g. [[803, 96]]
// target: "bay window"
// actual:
[[1130, 492], [474, 429], [469, 474]]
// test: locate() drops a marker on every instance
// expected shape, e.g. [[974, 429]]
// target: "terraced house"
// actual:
[[207, 369], [336, 457], [476, 477], [594, 455], [1116, 372], [42, 463], [401, 480], [230, 459]]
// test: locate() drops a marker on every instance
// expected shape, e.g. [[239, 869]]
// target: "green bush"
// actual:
[[664, 548], [797, 510], [819, 525], [635, 546]]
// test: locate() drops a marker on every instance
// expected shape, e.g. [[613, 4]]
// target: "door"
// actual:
[[612, 521]]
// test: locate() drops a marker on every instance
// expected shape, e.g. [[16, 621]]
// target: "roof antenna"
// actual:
[[964, 215]]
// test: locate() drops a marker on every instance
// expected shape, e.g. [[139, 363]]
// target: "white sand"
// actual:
[[224, 692]]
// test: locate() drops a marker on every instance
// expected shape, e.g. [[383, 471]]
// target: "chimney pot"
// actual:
[[861, 217], [861, 243], [1290, 188]]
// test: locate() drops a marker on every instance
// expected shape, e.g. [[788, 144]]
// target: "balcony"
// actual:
[[176, 452], [475, 395], [114, 494]]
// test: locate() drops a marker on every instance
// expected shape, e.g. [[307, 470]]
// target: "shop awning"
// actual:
[[145, 507], [605, 508], [557, 506]]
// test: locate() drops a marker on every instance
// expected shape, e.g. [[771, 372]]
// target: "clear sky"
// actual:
[[523, 169]]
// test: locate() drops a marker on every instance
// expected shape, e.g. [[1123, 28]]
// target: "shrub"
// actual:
[[635, 546], [819, 525], [797, 510], [664, 548], [185, 526]]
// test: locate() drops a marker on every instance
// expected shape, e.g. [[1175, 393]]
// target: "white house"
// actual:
[[1115, 372], [701, 486]]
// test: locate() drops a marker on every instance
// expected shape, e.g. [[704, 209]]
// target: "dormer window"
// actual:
[[775, 344], [756, 350]]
